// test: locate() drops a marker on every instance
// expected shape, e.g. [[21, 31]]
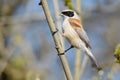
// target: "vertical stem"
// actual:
[[78, 6], [111, 72], [57, 12], [78, 52], [77, 65], [58, 24], [57, 42], [85, 60]]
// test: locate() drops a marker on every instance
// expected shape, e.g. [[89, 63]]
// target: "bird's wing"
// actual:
[[76, 24]]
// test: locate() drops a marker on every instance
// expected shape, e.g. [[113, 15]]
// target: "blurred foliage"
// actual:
[[68, 3], [32, 76], [18, 61], [17, 69], [117, 54], [7, 7], [13, 73]]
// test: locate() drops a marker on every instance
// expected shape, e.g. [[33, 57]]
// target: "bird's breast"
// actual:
[[70, 34]]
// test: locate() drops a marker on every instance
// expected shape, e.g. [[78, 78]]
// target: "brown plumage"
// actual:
[[77, 25]]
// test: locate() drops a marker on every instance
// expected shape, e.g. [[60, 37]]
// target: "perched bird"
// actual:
[[73, 31]]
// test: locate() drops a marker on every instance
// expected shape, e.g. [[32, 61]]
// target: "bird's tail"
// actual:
[[93, 59]]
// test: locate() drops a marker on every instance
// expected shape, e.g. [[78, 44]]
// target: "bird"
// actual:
[[75, 34]]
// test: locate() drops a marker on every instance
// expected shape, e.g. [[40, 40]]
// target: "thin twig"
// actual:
[[85, 60], [78, 52], [78, 6], [77, 65], [114, 68], [57, 12], [58, 24], [57, 42]]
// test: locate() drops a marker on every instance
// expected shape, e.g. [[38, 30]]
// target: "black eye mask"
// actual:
[[68, 13]]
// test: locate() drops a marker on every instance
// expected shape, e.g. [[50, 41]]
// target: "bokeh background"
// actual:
[[27, 50]]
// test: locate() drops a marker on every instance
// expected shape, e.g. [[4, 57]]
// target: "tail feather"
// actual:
[[93, 59]]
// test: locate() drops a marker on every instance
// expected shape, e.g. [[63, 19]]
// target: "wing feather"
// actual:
[[76, 24]]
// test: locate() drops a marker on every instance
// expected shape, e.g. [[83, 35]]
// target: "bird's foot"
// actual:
[[69, 48]]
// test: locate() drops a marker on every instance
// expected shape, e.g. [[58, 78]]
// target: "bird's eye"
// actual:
[[68, 13]]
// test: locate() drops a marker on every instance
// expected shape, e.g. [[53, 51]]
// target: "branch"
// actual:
[[78, 7], [78, 52], [57, 12], [77, 65], [114, 69], [85, 60], [59, 47]]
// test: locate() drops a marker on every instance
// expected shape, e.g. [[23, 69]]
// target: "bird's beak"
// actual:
[[61, 14]]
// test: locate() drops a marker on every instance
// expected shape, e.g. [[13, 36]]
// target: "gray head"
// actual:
[[69, 13]]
